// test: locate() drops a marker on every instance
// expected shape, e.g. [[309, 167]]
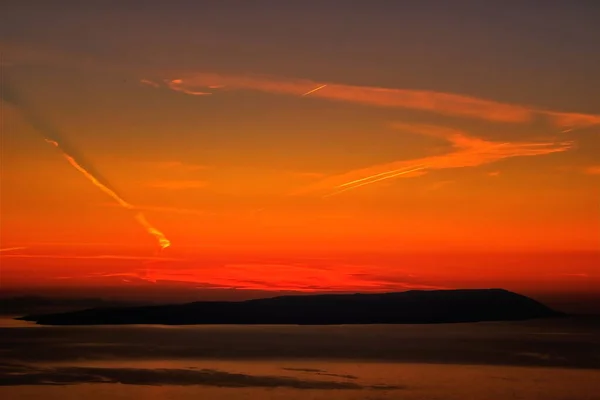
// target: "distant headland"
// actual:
[[410, 307]]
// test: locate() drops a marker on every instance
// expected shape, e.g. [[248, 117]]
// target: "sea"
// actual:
[[550, 359]]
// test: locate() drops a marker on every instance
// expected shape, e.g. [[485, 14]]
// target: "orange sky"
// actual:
[[400, 171]]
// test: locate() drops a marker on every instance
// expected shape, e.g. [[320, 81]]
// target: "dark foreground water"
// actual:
[[550, 359]]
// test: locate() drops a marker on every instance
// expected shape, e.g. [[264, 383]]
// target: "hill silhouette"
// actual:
[[410, 307]]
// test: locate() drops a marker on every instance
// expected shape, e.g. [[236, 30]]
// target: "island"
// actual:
[[409, 307]]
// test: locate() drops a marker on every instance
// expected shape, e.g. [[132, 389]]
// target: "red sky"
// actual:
[[441, 149]]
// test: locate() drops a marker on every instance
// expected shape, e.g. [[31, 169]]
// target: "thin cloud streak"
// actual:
[[19, 374], [149, 83], [176, 84], [12, 249], [91, 257], [297, 277], [468, 152], [437, 102], [369, 180], [314, 90]]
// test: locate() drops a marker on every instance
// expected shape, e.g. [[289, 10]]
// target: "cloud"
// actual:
[[149, 83], [197, 83], [293, 277], [467, 151], [12, 249], [177, 84], [317, 371], [437, 102], [178, 184], [572, 120], [92, 257], [15, 374], [577, 274]]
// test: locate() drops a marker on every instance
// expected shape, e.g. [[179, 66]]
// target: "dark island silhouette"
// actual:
[[410, 307]]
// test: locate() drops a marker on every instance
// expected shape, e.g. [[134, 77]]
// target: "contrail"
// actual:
[[314, 90], [51, 136], [13, 249], [373, 181], [160, 237], [371, 177]]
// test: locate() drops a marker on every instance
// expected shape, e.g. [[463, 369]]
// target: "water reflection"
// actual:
[[483, 361]]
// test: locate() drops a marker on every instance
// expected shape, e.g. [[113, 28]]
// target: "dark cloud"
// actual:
[[321, 372], [315, 370], [17, 374]]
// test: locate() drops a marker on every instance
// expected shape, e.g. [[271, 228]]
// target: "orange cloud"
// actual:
[[178, 185], [289, 277], [441, 103], [176, 84], [149, 83], [572, 120], [197, 83], [12, 249], [468, 152], [91, 257]]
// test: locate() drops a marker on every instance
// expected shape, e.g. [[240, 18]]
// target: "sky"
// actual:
[[233, 149]]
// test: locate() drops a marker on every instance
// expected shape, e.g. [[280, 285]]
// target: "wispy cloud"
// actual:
[[576, 274], [437, 102], [177, 84], [572, 120], [467, 151], [298, 277], [12, 249], [91, 257], [16, 374], [178, 184], [200, 83], [149, 83]]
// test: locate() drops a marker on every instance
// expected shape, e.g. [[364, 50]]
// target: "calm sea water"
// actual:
[[550, 359]]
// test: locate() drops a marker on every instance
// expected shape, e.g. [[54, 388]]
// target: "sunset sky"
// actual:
[[310, 146]]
